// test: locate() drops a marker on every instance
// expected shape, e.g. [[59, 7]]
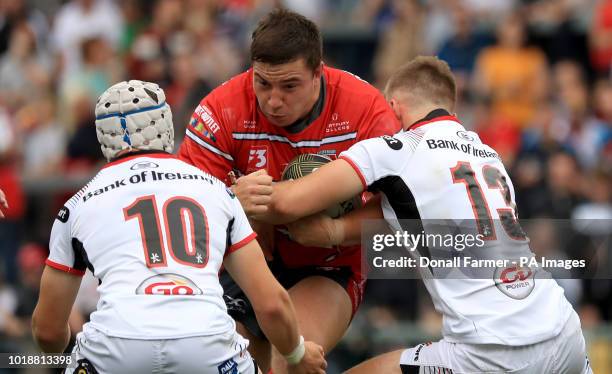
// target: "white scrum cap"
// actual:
[[134, 115]]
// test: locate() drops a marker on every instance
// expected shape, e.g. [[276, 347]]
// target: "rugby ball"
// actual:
[[307, 163]]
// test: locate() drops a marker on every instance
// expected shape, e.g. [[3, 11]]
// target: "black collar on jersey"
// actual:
[[316, 111], [431, 116], [137, 153]]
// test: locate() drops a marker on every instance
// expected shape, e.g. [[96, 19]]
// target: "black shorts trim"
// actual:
[[414, 369]]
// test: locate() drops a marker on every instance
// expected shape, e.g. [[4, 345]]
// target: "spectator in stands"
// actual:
[[574, 125], [598, 190], [373, 15], [24, 69], [134, 16], [31, 262], [12, 191], [44, 139], [601, 38], [185, 90], [602, 98], [557, 26], [16, 14], [216, 57], [461, 49], [150, 52], [490, 11], [11, 327], [98, 70], [564, 185], [401, 41], [496, 130], [83, 152], [78, 20], [512, 74]]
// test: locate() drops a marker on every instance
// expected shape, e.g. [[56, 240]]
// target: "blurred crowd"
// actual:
[[535, 81]]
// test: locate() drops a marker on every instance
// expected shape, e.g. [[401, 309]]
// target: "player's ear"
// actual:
[[395, 106], [318, 71]]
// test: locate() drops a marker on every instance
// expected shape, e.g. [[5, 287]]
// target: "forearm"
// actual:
[[280, 326], [52, 341], [349, 226], [284, 207], [58, 291], [274, 217], [322, 231]]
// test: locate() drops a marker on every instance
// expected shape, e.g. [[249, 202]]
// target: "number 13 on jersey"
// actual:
[[495, 179]]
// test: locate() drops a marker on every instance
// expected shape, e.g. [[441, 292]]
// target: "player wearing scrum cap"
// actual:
[[436, 170], [155, 231]]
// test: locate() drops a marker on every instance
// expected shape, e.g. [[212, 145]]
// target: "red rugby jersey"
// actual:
[[228, 131]]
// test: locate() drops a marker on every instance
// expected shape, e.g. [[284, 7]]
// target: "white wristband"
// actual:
[[297, 354]]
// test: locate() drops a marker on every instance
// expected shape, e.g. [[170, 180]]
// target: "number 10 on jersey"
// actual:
[[185, 225]]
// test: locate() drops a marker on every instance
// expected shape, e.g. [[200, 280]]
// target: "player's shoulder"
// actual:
[[411, 138], [214, 187], [174, 169], [224, 105], [67, 211], [233, 90], [344, 84], [386, 147], [387, 151]]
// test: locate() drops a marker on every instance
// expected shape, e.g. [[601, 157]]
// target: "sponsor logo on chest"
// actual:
[[249, 124], [337, 124], [206, 124]]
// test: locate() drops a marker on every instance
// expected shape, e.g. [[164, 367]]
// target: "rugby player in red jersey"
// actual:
[[289, 103]]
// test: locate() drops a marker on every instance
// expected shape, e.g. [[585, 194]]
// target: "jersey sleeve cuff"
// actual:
[[64, 268], [357, 170], [236, 246]]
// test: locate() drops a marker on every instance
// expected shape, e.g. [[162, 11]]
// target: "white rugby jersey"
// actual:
[[154, 230], [439, 171]]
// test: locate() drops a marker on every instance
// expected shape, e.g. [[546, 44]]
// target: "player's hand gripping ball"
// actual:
[[307, 163]]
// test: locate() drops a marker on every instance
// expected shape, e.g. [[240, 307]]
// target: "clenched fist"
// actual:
[[254, 192]]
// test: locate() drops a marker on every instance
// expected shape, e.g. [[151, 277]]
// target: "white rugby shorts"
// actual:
[[215, 354], [565, 353]]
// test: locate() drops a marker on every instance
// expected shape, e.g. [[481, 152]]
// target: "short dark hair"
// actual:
[[427, 79], [284, 36]]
